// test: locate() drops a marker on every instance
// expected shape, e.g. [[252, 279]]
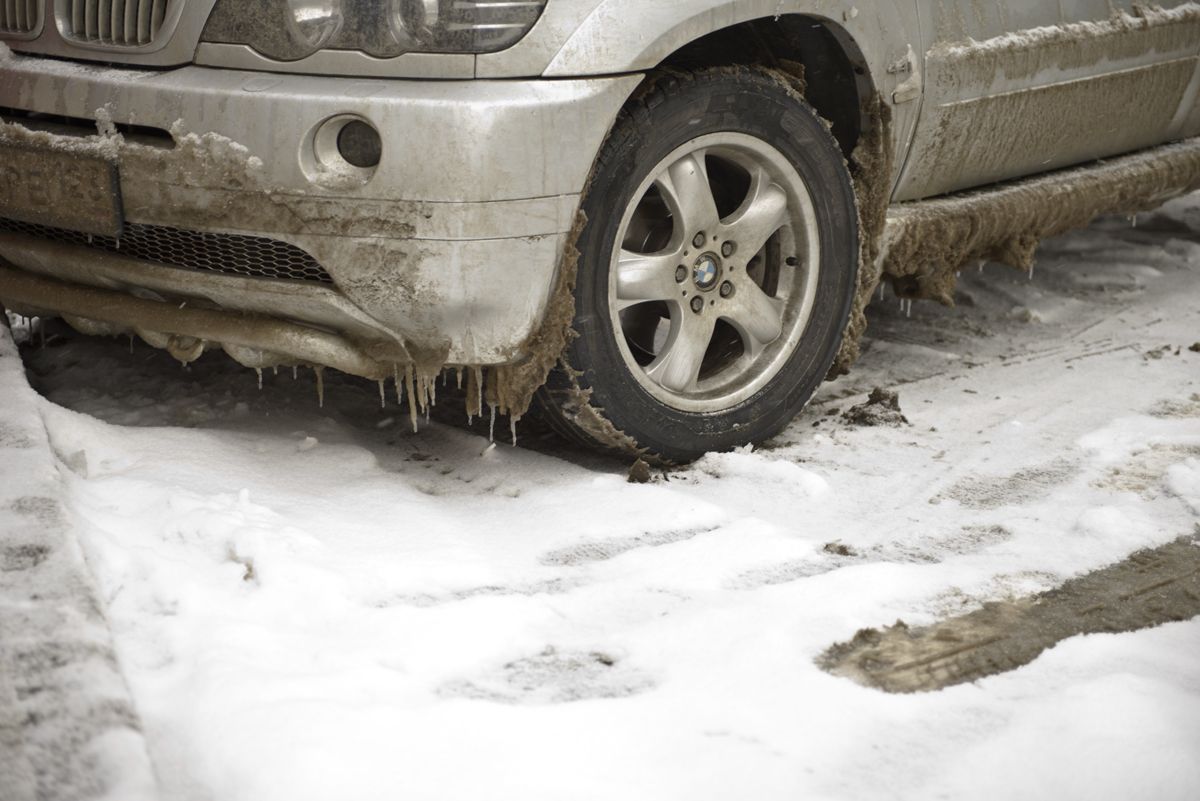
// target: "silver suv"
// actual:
[[659, 220]]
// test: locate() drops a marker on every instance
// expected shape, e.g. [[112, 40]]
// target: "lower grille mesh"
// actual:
[[232, 254]]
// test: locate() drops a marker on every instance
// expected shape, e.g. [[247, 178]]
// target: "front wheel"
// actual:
[[716, 272]]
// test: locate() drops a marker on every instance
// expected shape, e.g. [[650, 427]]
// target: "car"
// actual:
[[657, 222]]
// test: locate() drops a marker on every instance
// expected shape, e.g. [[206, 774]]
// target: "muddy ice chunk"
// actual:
[[639, 472], [838, 548], [881, 409], [1149, 588], [1024, 314]]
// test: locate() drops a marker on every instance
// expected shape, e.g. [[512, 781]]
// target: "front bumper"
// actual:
[[451, 246]]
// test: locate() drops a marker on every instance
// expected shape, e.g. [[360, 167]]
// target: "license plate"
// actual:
[[64, 190]]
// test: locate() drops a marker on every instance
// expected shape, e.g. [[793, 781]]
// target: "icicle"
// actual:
[[131, 343], [445, 377], [1133, 220], [473, 396], [399, 386], [320, 371], [293, 372], [479, 389], [881, 285], [412, 396], [432, 382], [908, 308], [981, 263], [258, 372], [89, 239], [118, 241], [382, 395], [275, 370], [1031, 272], [512, 427], [458, 375], [492, 425]]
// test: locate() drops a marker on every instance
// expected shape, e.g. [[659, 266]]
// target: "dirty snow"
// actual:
[[68, 724], [315, 603]]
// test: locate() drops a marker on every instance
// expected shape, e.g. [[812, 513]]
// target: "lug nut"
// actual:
[[697, 304], [727, 249], [726, 289], [681, 274], [699, 240]]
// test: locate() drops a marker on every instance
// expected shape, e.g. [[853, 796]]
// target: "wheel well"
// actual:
[[837, 81]]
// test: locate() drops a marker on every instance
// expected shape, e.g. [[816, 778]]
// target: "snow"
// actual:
[[69, 729], [1184, 481], [315, 603]]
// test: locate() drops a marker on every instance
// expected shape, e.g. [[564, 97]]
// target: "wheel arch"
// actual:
[[848, 54], [820, 53]]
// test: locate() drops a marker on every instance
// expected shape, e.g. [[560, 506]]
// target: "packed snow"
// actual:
[[315, 603]]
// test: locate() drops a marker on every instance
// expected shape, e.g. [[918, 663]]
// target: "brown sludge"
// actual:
[[871, 164], [882, 408], [511, 387], [927, 243], [1149, 588]]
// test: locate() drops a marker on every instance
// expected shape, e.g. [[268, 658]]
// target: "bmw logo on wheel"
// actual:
[[706, 271]]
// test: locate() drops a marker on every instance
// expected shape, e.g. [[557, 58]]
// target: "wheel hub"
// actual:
[[706, 271], [709, 307]]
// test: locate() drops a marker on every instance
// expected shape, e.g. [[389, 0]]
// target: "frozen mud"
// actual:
[[927, 244], [882, 408], [1150, 588]]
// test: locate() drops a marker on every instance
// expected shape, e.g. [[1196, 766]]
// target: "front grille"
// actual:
[[119, 23], [232, 254], [18, 16]]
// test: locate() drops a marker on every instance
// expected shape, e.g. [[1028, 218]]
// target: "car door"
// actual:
[[1145, 76], [1018, 87]]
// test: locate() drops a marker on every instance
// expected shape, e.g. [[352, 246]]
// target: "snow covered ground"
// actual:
[[317, 604]]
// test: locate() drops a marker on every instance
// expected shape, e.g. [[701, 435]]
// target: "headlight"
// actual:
[[314, 22], [288, 30]]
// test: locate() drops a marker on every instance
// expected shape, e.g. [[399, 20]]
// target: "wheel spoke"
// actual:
[[678, 366], [757, 317], [762, 213], [685, 187], [643, 277]]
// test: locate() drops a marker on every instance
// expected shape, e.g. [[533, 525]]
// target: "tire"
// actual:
[[720, 207]]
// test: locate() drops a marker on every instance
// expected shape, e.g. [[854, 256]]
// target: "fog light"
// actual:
[[359, 144], [341, 152]]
